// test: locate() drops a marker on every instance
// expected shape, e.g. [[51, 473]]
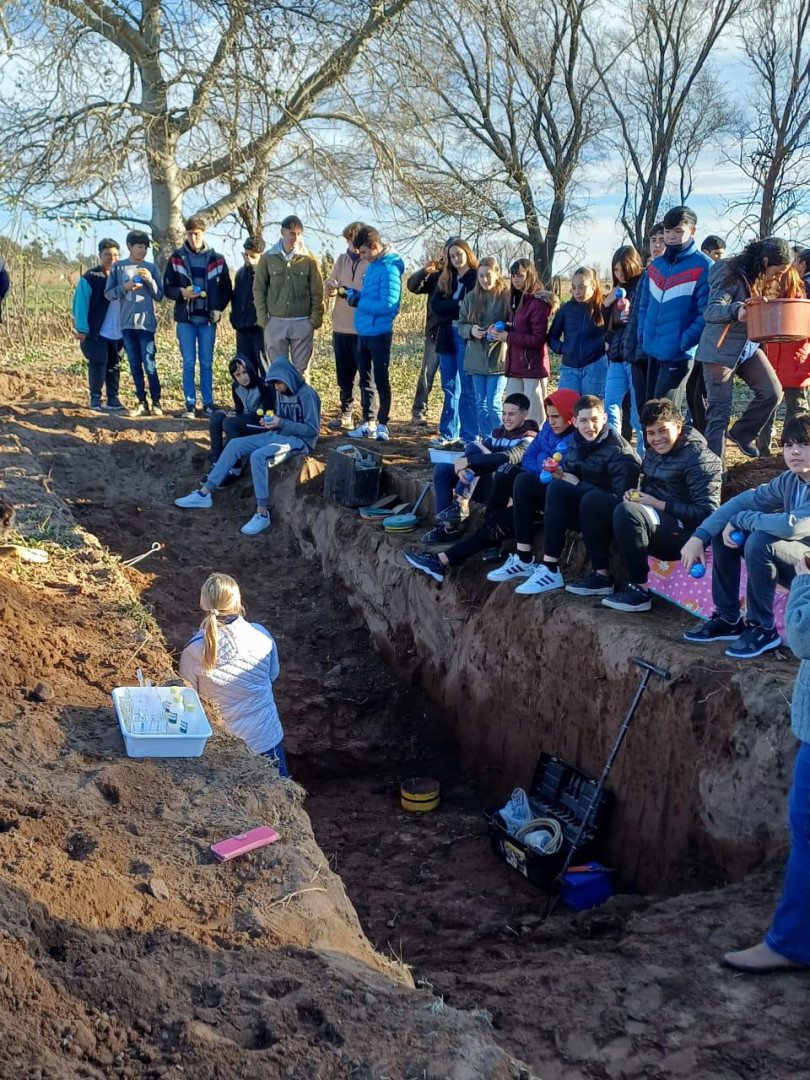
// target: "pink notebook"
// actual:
[[244, 842]]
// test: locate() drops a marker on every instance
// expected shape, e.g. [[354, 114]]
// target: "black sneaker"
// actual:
[[754, 641], [749, 449], [208, 410], [717, 628], [592, 584], [441, 534], [492, 554], [631, 598], [427, 562], [453, 514]]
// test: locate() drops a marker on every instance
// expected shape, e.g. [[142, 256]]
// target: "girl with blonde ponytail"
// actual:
[[234, 663]]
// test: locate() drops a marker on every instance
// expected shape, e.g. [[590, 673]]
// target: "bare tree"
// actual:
[[132, 110], [667, 106], [484, 126], [774, 136]]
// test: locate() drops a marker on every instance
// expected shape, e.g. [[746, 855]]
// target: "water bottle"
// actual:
[[467, 475], [500, 327], [185, 716], [622, 305], [698, 570]]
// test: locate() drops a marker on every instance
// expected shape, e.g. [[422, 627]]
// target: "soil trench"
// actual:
[[630, 990]]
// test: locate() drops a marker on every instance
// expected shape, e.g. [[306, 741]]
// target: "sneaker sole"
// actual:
[[538, 592], [711, 640], [619, 606], [424, 570], [512, 577], [754, 655], [607, 591]]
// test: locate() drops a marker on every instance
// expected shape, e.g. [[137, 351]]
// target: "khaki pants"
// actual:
[[535, 391], [291, 339]]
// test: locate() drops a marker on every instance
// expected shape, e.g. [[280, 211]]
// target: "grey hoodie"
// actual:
[[299, 412], [137, 308], [780, 508]]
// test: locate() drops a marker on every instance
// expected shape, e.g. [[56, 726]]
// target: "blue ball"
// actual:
[[737, 535], [500, 326], [546, 477], [560, 448], [698, 570], [621, 294]]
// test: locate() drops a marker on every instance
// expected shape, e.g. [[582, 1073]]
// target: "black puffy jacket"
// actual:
[[446, 310], [615, 329], [609, 462], [687, 479]]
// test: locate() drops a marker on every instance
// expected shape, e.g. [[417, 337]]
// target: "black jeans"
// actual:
[[424, 383], [103, 366], [373, 362], [586, 509], [220, 426], [670, 380], [496, 527], [639, 376], [757, 372], [250, 343], [696, 398], [347, 350], [529, 494], [638, 535]]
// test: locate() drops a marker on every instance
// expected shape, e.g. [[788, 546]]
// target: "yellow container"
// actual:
[[419, 794]]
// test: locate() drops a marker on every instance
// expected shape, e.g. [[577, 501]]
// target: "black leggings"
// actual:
[[586, 509], [639, 535]]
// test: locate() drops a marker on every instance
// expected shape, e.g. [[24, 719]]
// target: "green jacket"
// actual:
[[484, 357], [288, 290]]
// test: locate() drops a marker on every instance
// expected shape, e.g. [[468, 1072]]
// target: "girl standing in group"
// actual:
[[577, 334], [456, 280], [484, 360], [234, 663], [761, 269], [526, 335], [627, 269]]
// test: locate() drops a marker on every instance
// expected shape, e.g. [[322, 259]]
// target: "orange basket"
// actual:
[[778, 320]]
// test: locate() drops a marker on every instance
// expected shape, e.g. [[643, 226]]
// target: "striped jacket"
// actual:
[[178, 276], [673, 297]]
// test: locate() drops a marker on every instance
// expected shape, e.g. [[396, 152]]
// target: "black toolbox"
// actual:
[[563, 792], [353, 475]]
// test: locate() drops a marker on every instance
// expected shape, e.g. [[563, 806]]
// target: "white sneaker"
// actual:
[[382, 433], [542, 580], [195, 501], [512, 569], [365, 431], [258, 523]]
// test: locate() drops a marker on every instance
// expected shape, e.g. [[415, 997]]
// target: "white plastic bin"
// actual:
[[149, 700]]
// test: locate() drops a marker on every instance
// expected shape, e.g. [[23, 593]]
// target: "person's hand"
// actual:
[[610, 298], [693, 551], [271, 424], [460, 464], [729, 529], [636, 496], [497, 335], [568, 477], [215, 316], [187, 293], [144, 275], [478, 333], [432, 267], [132, 286], [742, 313], [79, 337]]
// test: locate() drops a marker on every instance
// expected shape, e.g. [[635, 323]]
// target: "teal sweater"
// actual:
[[797, 629]]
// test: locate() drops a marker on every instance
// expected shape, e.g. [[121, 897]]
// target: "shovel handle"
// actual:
[[662, 673]]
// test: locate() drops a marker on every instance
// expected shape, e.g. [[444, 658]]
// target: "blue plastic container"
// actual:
[[589, 889]]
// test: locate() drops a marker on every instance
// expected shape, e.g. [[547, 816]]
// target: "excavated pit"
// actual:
[[479, 687]]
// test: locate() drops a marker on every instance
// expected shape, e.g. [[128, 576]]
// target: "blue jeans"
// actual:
[[619, 381], [488, 401], [586, 380], [445, 482], [278, 758], [458, 411], [265, 451], [789, 934], [140, 349], [190, 338]]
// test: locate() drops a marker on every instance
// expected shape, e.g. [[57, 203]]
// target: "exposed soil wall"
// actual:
[[701, 782]]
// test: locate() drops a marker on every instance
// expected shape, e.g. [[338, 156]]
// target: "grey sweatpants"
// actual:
[[291, 338], [264, 451]]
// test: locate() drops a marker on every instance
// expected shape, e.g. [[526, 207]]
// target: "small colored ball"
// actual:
[[545, 476], [738, 536], [557, 456], [561, 447], [698, 570]]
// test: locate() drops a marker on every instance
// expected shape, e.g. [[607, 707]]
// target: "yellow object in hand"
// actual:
[[556, 457], [635, 494], [260, 412]]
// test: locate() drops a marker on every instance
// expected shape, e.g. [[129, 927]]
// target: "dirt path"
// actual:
[[632, 990]]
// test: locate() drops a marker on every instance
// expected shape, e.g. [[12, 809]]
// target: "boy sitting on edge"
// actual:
[[498, 524], [774, 520], [679, 488], [292, 430], [598, 467], [481, 470], [249, 394]]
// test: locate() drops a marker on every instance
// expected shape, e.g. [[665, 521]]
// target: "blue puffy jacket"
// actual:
[[671, 299], [381, 296], [575, 337], [543, 446]]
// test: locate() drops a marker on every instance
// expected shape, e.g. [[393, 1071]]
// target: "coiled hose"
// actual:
[[551, 825]]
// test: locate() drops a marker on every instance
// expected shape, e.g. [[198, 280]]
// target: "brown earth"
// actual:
[[631, 990]]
